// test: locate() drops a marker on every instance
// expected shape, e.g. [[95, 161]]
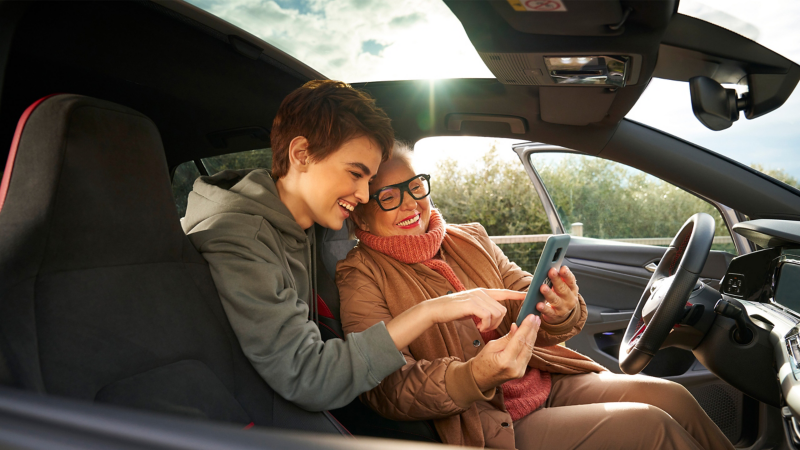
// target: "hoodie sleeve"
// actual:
[[273, 328]]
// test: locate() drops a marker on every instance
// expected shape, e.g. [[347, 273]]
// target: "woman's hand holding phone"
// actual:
[[561, 299]]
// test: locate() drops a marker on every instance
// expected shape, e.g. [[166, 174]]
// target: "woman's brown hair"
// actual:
[[328, 114]]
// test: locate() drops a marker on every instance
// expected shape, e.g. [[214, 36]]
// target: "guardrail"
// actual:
[[530, 238]]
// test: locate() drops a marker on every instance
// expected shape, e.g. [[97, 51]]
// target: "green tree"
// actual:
[[498, 195], [610, 199], [615, 202]]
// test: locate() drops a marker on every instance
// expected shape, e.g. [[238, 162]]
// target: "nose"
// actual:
[[408, 201], [362, 191]]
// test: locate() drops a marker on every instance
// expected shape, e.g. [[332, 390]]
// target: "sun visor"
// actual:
[[563, 17], [574, 105], [578, 56]]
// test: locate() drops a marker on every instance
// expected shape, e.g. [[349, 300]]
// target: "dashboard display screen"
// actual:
[[787, 292]]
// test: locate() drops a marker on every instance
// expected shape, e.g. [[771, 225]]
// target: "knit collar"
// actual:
[[408, 249]]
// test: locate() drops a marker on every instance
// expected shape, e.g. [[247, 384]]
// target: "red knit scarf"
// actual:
[[521, 396]]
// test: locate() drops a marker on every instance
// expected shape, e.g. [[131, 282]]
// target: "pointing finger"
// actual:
[[505, 294]]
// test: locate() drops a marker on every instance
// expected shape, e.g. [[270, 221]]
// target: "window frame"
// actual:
[[524, 151]]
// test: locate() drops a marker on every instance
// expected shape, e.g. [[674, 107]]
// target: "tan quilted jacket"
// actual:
[[444, 387]]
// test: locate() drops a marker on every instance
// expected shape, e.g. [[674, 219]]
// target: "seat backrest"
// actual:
[[102, 296], [332, 246]]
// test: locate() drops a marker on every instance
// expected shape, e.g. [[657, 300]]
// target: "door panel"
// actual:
[[612, 277]]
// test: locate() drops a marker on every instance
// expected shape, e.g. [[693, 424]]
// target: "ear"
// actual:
[[298, 154], [356, 216]]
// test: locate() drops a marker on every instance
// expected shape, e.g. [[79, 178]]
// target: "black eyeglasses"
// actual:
[[391, 197]]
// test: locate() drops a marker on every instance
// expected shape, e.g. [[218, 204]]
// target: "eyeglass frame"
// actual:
[[403, 186]]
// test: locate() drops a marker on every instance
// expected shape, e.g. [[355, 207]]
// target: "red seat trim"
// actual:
[[12, 153], [323, 309]]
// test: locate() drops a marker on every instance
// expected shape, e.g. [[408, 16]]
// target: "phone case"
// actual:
[[552, 256]]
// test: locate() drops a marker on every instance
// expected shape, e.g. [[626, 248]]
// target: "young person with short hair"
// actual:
[[256, 232]]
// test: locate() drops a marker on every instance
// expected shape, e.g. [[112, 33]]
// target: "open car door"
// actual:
[[588, 197]]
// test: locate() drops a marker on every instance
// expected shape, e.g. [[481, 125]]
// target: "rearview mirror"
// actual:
[[713, 105]]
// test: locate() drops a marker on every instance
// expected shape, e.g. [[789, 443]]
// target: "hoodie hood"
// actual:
[[249, 192]]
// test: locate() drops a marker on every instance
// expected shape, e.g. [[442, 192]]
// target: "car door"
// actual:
[[621, 220]]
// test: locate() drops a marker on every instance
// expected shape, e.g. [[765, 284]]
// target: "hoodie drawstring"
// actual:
[[312, 254]]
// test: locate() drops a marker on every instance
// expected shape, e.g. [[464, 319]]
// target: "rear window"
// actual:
[[185, 174]]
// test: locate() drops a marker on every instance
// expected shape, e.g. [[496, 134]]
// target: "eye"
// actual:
[[387, 197], [356, 174]]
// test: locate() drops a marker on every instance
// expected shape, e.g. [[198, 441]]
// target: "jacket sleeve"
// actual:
[[516, 279], [420, 390], [272, 326]]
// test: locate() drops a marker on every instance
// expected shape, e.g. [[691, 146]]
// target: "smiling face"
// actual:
[[411, 218], [327, 191]]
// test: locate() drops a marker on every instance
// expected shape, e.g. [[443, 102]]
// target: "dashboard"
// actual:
[[767, 284]]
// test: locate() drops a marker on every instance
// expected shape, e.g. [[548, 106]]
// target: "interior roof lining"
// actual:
[[221, 29]]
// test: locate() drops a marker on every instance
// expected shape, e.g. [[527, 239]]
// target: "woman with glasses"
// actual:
[[463, 377]]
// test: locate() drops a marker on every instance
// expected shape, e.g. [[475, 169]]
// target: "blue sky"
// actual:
[[367, 40]]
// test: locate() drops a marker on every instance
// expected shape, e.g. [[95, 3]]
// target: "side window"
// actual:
[[186, 173], [182, 181], [603, 199]]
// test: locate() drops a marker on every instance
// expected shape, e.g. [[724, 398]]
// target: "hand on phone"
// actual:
[[560, 294]]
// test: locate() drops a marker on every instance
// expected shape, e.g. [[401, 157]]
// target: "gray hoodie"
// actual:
[[263, 265]]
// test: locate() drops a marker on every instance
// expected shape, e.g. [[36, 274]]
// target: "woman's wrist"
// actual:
[[559, 319], [409, 325]]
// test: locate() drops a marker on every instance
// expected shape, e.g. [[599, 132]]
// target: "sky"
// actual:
[[369, 40]]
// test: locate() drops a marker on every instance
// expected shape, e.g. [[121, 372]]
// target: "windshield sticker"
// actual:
[[538, 5]]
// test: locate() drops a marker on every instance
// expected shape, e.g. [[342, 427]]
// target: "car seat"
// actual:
[[102, 296], [332, 246]]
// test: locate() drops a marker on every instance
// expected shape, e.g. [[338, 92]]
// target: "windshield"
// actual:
[[360, 40]]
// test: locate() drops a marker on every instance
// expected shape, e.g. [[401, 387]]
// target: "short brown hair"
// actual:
[[328, 114]]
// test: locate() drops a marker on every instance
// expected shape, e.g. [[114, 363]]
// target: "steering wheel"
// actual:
[[663, 300]]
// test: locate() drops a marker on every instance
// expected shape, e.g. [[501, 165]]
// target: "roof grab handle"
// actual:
[[518, 125]]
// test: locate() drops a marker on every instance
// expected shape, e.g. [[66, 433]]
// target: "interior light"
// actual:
[[601, 70]]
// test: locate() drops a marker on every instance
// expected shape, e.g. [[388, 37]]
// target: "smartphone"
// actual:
[[552, 256]]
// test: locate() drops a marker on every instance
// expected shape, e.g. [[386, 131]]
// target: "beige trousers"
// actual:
[[610, 411]]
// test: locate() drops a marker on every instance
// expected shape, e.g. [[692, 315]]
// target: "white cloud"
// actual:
[[422, 38]]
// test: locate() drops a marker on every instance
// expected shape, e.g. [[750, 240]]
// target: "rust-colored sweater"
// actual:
[[437, 381]]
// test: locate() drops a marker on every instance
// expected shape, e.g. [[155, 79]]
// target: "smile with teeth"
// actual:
[[346, 205], [410, 221]]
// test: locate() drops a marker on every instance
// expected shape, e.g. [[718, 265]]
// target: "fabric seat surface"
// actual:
[[102, 296]]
